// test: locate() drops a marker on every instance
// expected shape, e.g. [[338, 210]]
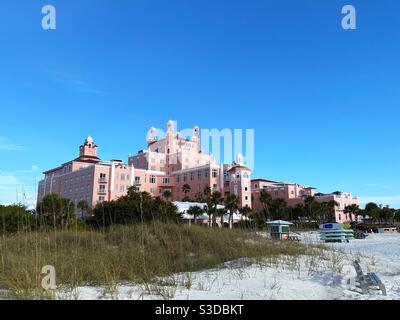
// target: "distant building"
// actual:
[[295, 194]]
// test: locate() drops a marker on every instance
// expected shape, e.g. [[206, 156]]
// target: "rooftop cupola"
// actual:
[[88, 151]]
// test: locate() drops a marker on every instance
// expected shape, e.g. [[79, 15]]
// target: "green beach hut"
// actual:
[[279, 229]]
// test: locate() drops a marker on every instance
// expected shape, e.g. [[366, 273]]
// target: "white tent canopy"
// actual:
[[183, 207], [280, 222]]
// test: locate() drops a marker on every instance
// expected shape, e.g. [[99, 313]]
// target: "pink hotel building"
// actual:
[[168, 164], [294, 194]]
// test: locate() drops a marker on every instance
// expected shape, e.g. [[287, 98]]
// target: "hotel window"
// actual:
[[246, 198], [245, 189], [192, 176], [178, 179], [152, 179], [122, 189], [161, 161], [101, 199], [152, 190], [206, 173], [214, 173], [137, 179], [199, 174], [165, 180], [122, 177], [162, 169], [102, 189], [246, 176], [215, 187]]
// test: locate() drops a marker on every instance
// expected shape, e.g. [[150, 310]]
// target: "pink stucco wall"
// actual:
[[294, 194], [168, 164]]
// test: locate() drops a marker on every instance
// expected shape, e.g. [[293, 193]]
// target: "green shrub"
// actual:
[[15, 218], [134, 208]]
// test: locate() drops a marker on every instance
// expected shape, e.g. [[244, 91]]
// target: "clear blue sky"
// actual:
[[324, 102]]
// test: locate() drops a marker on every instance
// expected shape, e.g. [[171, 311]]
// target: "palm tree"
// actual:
[[279, 208], [207, 191], [245, 211], [372, 210], [84, 207], [266, 199], [330, 210], [216, 199], [353, 210], [298, 213], [195, 211], [310, 203], [167, 194], [199, 197], [397, 215], [61, 210], [209, 205], [221, 213], [186, 189], [232, 205]]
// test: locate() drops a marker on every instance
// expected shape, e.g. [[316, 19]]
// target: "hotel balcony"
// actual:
[[103, 180], [101, 191]]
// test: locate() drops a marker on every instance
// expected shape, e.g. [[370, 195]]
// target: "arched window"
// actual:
[[246, 175]]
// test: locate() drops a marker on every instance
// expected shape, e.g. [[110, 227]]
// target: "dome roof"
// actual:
[[239, 159], [89, 139]]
